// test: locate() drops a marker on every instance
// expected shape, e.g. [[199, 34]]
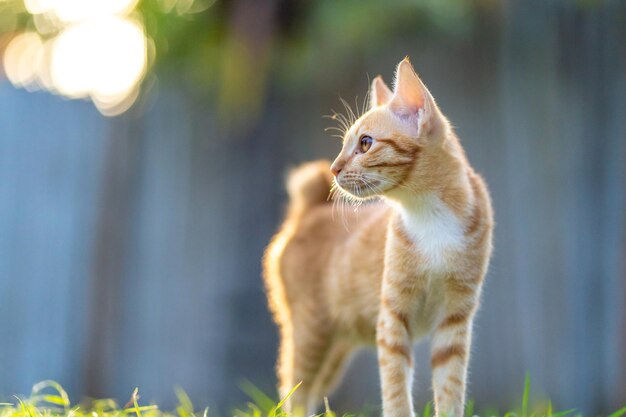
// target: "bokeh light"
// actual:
[[94, 49], [22, 59], [79, 10], [105, 58]]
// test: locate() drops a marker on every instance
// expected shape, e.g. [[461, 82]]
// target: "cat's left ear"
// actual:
[[379, 93], [412, 101]]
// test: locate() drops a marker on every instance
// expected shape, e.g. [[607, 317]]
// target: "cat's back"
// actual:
[[326, 236]]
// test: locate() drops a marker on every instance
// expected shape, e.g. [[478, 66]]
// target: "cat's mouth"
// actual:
[[359, 185]]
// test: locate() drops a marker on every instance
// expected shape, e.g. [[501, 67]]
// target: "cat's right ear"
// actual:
[[379, 93], [412, 101]]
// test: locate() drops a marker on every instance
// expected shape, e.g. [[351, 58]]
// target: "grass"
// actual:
[[49, 399]]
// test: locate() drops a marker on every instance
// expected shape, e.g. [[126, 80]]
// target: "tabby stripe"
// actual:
[[454, 319], [402, 318], [393, 393], [399, 350], [396, 378], [455, 380], [480, 239], [396, 147], [442, 356], [388, 164], [461, 288], [475, 219]]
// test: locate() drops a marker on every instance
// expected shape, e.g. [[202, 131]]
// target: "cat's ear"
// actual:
[[379, 93], [412, 101]]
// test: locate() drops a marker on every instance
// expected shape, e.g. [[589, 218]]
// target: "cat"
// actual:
[[407, 266]]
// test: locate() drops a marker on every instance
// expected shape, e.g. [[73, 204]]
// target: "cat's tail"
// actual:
[[308, 185]]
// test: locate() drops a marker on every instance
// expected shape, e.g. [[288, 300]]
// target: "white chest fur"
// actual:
[[435, 230]]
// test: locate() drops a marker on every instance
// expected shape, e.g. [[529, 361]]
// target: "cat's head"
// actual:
[[382, 149]]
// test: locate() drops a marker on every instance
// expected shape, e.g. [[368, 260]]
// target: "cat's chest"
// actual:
[[437, 237]]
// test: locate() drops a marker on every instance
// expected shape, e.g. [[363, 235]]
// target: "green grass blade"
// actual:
[[327, 411], [428, 409], [26, 409], [273, 411], [239, 413], [106, 404], [262, 400], [61, 399], [184, 400], [618, 413], [49, 399], [134, 404], [563, 413], [469, 408], [73, 411], [142, 408], [525, 396], [255, 411]]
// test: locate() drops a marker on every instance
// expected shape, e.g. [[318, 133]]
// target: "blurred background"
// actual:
[[143, 147]]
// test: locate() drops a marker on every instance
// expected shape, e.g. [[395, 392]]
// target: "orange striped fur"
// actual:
[[409, 265]]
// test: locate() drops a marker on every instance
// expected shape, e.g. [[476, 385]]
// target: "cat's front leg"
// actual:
[[395, 359], [450, 348]]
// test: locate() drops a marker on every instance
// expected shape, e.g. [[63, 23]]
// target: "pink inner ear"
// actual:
[[380, 93], [408, 102], [418, 103], [407, 106], [409, 94]]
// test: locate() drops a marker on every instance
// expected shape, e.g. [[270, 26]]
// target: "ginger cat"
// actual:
[[408, 266]]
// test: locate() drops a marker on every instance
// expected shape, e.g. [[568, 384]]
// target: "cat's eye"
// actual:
[[366, 143]]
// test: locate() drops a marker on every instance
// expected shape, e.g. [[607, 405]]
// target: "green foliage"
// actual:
[[49, 399], [230, 51]]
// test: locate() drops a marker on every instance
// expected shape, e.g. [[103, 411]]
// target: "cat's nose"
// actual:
[[336, 167]]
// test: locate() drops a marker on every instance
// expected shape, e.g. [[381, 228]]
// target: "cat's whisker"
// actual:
[[391, 182], [371, 186], [336, 196], [356, 203], [340, 202], [376, 191], [342, 120], [344, 207], [366, 102], [338, 118], [341, 134], [333, 189], [349, 110]]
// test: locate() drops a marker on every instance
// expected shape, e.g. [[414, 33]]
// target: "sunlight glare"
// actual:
[[82, 49], [104, 58], [22, 59], [79, 10]]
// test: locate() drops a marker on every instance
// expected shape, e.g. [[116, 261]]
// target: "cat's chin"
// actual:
[[358, 193]]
